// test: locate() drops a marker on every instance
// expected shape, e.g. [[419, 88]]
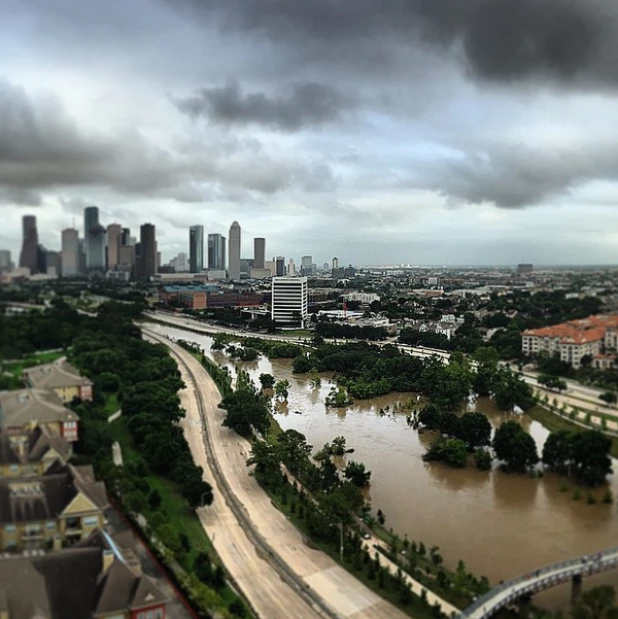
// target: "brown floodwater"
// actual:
[[500, 525]]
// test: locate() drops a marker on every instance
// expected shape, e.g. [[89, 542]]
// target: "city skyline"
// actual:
[[397, 135]]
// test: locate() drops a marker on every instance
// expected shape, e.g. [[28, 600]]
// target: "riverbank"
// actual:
[[461, 511]]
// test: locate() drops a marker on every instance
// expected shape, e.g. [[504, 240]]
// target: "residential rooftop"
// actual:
[[55, 375], [75, 583], [25, 406]]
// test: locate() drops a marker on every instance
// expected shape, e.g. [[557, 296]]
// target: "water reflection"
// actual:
[[500, 525]]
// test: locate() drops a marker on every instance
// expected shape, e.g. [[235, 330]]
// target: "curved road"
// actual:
[[544, 578], [320, 585]]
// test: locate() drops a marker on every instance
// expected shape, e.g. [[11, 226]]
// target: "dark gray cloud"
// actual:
[[502, 40], [308, 104], [41, 148], [514, 176]]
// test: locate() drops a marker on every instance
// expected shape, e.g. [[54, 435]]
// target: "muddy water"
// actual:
[[499, 525]]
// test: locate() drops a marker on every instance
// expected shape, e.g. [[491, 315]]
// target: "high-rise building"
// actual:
[[335, 264], [196, 249], [182, 266], [259, 253], [114, 241], [216, 252], [125, 237], [147, 262], [305, 265], [234, 249], [70, 253], [30, 241], [94, 240], [53, 262], [5, 261], [289, 301], [291, 268], [280, 266]]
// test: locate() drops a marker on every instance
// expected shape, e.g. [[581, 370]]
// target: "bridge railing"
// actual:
[[535, 578]]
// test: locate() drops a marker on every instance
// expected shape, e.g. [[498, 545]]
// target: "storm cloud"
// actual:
[[41, 148], [568, 41], [308, 104], [353, 124]]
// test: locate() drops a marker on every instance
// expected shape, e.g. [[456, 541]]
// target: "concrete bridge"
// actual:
[[521, 589]]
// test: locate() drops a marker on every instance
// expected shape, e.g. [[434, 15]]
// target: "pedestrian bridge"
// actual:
[[523, 587]]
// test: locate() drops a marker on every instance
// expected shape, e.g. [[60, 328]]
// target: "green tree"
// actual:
[[282, 389], [357, 474], [482, 459], [451, 451], [591, 459], [487, 356], [609, 397], [515, 447], [294, 450], [558, 451], [597, 603], [474, 429], [315, 380], [267, 381], [266, 459]]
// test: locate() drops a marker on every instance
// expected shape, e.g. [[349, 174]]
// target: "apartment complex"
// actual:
[[289, 301], [595, 337], [26, 409], [31, 452], [61, 378], [54, 510], [98, 577]]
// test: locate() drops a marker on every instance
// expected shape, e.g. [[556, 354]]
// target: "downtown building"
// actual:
[[289, 301], [216, 252], [70, 252], [196, 249], [29, 256], [94, 240], [234, 250], [259, 252]]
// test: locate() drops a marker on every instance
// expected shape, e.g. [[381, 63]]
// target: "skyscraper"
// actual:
[[291, 268], [259, 252], [94, 240], [5, 260], [234, 262], [125, 237], [280, 266], [305, 265], [148, 251], [114, 238], [335, 264], [196, 249], [30, 242], [70, 252], [216, 252]]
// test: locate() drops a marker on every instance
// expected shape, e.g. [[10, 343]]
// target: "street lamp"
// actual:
[[340, 525]]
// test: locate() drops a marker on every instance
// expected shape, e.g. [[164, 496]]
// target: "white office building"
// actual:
[[289, 302]]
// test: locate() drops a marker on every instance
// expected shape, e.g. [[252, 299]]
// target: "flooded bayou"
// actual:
[[500, 525]]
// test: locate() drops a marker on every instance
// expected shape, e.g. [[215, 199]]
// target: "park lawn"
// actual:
[[111, 404], [299, 333], [17, 368], [555, 422]]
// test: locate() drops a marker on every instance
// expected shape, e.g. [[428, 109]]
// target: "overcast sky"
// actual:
[[421, 131]]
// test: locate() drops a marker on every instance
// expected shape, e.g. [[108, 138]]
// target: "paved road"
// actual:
[[345, 595], [544, 578], [258, 580]]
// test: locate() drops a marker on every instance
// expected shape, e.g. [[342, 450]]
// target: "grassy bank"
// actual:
[[554, 422]]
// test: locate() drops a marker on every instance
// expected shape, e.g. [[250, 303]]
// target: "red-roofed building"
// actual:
[[575, 339]]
